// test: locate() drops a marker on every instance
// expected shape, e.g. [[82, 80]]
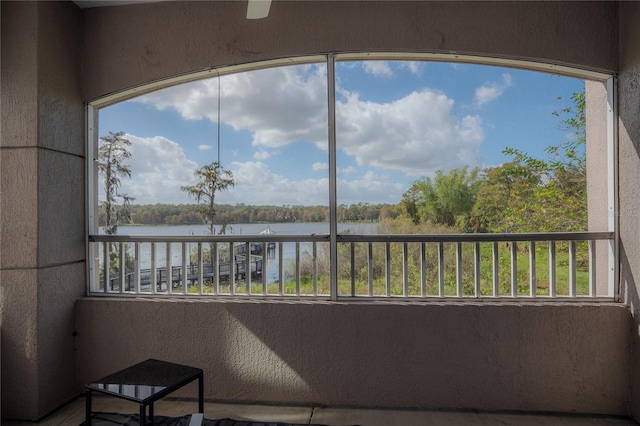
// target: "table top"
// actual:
[[146, 381]]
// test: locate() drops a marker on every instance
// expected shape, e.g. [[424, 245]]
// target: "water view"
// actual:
[[248, 229]]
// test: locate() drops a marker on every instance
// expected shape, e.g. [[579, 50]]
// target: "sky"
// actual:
[[396, 122]]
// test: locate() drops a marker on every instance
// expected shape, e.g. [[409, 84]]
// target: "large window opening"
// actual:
[[440, 179]]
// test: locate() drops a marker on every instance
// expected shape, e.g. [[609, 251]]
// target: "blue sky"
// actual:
[[397, 121]]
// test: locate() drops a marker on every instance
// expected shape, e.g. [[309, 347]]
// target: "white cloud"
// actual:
[[412, 66], [317, 167], [347, 170], [278, 105], [377, 68], [490, 91], [159, 167], [204, 147], [261, 155], [416, 134], [254, 181], [370, 188], [256, 184]]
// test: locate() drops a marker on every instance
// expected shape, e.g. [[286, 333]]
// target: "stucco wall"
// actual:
[[629, 160], [124, 47], [42, 210], [476, 356]]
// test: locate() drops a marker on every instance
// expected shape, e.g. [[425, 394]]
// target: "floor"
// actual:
[[72, 414]]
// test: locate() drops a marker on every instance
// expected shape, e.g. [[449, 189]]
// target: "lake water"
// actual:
[[248, 229]]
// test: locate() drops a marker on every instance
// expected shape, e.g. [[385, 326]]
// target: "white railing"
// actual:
[[551, 265]]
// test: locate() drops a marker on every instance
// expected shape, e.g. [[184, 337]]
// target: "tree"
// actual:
[[561, 196], [212, 178], [539, 195], [444, 200], [113, 151], [495, 198]]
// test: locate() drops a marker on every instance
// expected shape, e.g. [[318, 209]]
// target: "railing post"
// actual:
[[352, 253], [572, 268], [387, 262], [200, 270], [532, 269], [592, 269], [122, 266], [280, 268], [370, 267], [496, 269], [459, 289], [137, 267], [405, 269], [476, 269], [169, 268], [265, 268], [441, 269], [514, 269], [154, 270], [423, 269], [297, 271], [552, 269], [184, 272]]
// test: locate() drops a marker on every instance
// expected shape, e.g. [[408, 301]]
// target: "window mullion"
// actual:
[[333, 205]]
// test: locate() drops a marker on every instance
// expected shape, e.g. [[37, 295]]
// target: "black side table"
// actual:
[[145, 383]]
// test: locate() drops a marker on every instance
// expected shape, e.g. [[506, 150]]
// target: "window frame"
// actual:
[[92, 134]]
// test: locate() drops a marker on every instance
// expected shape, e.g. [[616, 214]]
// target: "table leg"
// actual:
[[143, 415], [87, 408], [151, 415], [200, 394]]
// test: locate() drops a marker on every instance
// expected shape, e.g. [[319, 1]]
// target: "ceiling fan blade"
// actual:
[[258, 9]]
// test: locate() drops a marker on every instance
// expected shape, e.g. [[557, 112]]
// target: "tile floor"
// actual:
[[72, 414]]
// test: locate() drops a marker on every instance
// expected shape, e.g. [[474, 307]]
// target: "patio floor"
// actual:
[[72, 414]]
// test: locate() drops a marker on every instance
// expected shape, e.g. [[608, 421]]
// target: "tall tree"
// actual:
[[445, 199], [495, 199], [212, 178], [561, 196], [113, 151], [530, 194]]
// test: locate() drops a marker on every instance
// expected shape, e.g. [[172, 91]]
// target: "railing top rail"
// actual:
[[257, 238], [506, 237]]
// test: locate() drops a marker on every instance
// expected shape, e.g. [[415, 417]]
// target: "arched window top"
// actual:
[[452, 57]]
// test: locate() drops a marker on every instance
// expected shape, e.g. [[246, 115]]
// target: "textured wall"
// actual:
[[629, 160], [197, 35], [42, 243], [477, 356]]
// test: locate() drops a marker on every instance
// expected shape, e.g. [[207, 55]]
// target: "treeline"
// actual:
[[187, 214]]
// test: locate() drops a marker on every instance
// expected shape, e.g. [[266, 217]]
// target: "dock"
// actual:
[[192, 274]]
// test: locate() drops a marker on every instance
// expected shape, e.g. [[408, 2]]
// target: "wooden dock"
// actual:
[[192, 274]]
